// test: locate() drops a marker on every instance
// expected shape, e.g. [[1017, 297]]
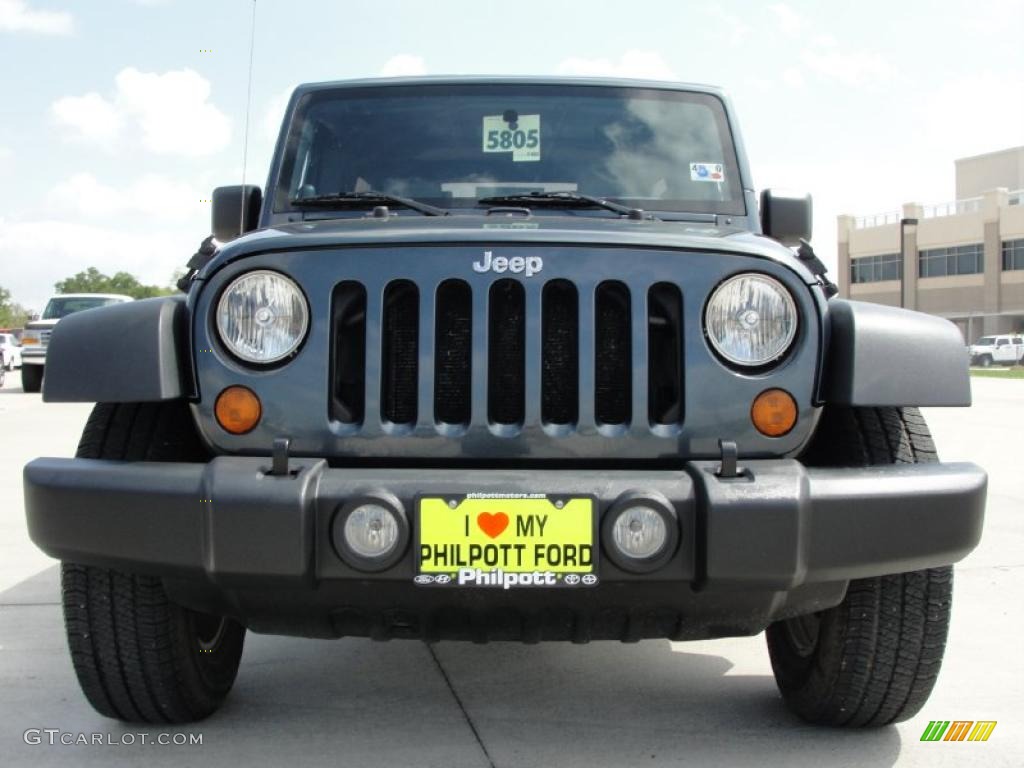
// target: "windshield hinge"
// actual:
[[807, 255], [207, 249]]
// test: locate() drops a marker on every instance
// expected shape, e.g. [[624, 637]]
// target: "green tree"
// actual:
[[94, 281], [12, 314]]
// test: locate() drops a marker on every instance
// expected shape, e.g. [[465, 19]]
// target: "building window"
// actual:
[[874, 269], [955, 260], [1013, 254]]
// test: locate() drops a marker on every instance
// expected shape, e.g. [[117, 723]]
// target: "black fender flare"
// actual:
[[132, 352], [879, 355]]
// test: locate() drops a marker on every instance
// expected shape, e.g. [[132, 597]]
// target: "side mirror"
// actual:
[[235, 211], [786, 216]]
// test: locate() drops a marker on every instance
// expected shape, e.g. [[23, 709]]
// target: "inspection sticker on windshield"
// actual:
[[515, 133], [506, 540], [707, 172]]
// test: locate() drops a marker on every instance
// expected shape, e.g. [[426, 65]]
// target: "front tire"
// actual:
[[985, 361], [31, 377], [874, 658], [138, 656]]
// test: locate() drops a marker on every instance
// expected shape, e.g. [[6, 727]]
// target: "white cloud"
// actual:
[[92, 116], [967, 130], [822, 55], [738, 30], [16, 16], [856, 69], [649, 65], [789, 21], [152, 195], [170, 112], [403, 64], [5, 153], [793, 77], [48, 250], [173, 111]]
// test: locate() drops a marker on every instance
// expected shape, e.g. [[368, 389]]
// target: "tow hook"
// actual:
[[279, 464], [727, 468]]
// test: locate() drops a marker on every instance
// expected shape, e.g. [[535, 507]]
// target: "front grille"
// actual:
[[511, 355]]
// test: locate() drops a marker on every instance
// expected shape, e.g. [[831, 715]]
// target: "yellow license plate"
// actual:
[[481, 540]]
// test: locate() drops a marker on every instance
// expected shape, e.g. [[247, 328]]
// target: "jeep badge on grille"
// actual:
[[528, 265]]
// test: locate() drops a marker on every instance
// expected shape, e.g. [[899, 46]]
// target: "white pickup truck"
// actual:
[[1005, 349], [36, 337]]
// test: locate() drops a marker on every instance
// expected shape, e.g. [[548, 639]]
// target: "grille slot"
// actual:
[[506, 361], [613, 389], [664, 354], [559, 353], [453, 340], [348, 361], [399, 352]]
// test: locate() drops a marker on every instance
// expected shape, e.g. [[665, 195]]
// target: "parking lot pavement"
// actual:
[[28, 428], [358, 703]]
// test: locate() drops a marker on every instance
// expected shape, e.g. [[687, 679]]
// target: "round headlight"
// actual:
[[262, 316], [751, 319]]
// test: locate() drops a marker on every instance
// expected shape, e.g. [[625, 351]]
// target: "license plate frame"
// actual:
[[469, 519]]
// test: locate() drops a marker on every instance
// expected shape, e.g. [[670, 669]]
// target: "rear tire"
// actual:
[[874, 658], [138, 656], [31, 377]]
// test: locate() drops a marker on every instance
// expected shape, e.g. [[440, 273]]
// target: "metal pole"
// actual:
[[903, 259], [904, 223]]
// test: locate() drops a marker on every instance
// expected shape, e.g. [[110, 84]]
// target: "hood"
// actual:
[[581, 230]]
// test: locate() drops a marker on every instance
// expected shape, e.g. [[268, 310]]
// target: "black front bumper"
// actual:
[[229, 537]]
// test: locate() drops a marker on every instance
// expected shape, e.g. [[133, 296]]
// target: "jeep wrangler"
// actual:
[[507, 359]]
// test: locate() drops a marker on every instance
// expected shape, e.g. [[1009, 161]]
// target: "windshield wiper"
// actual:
[[366, 199], [565, 199]]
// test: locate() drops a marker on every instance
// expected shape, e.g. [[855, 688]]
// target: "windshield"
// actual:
[[61, 306], [450, 145], [985, 341]]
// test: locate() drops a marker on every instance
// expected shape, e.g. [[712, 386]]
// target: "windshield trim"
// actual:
[[278, 200]]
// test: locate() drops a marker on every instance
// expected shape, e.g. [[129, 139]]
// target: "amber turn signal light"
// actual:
[[773, 412], [238, 410]]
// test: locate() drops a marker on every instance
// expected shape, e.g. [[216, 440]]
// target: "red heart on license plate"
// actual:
[[493, 524]]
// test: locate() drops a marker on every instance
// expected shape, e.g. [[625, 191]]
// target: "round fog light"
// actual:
[[640, 533], [370, 534], [371, 530]]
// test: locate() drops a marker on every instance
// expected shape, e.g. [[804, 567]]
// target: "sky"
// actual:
[[119, 117]]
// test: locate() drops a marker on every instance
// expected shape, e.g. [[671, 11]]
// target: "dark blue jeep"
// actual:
[[515, 359]]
